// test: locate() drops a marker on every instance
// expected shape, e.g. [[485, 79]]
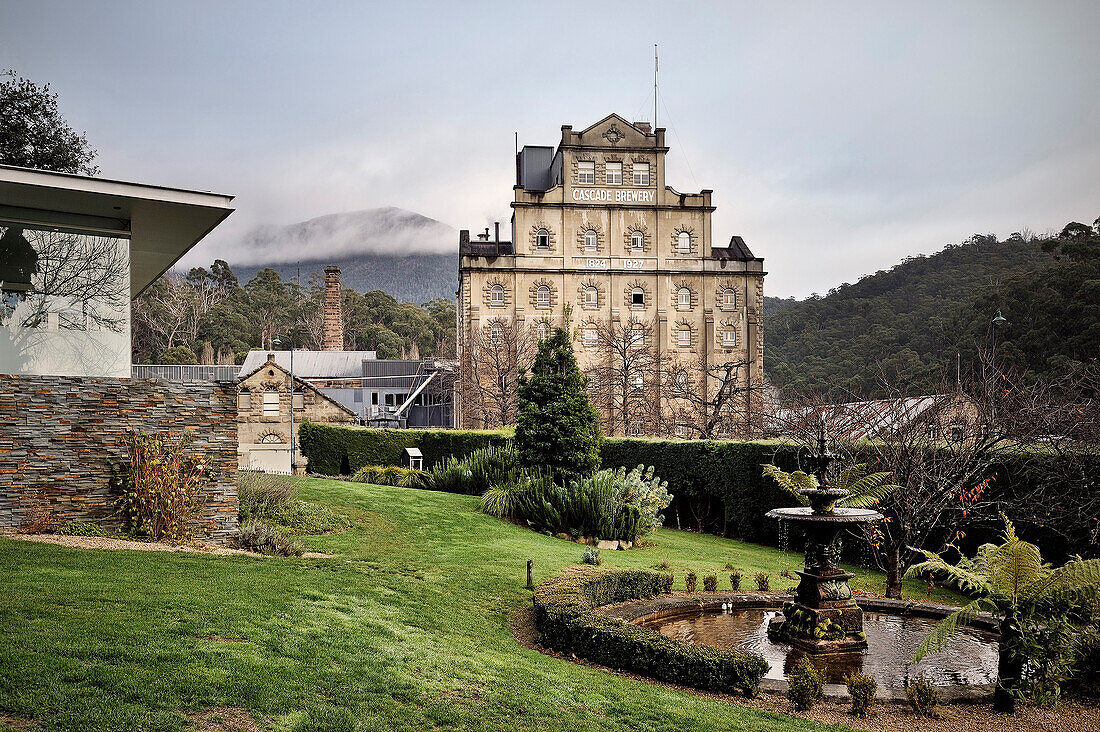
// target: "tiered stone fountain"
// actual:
[[823, 618]]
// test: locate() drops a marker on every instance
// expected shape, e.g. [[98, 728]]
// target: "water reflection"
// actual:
[[971, 658]]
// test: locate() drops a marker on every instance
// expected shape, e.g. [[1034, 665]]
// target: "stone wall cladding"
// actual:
[[59, 436]]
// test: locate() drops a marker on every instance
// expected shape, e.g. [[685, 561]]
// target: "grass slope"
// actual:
[[405, 628]]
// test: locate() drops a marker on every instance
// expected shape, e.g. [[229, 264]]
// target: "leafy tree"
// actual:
[[177, 354], [557, 427], [1011, 582], [33, 132]]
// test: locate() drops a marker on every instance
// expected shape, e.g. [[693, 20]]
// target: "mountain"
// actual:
[[412, 257], [907, 323]]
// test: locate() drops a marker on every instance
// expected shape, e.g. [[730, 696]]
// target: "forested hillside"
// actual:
[[908, 324]]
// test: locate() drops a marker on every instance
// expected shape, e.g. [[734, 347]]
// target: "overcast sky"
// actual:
[[838, 137]]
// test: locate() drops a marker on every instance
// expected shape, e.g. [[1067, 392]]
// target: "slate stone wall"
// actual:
[[59, 436]]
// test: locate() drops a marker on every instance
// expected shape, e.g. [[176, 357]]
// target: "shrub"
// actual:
[[1085, 670], [451, 476], [161, 484], [735, 580], [566, 622], [393, 475], [710, 583], [664, 564], [805, 684], [303, 517], [83, 528], [502, 501], [591, 556], [264, 538], [690, 581], [862, 689], [763, 581], [924, 697], [667, 581], [492, 465], [557, 428], [261, 495], [39, 516]]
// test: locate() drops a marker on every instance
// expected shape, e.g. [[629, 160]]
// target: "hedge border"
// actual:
[[566, 621]]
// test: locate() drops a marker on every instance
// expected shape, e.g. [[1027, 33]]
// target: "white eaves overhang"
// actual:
[[161, 223]]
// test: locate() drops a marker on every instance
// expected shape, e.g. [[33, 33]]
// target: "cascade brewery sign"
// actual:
[[613, 196]]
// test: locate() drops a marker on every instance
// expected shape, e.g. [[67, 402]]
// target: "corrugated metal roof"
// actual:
[[313, 364], [856, 420]]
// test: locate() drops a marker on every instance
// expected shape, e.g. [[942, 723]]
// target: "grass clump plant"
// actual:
[[394, 475], [805, 684], [862, 688], [923, 697], [259, 536], [269, 506]]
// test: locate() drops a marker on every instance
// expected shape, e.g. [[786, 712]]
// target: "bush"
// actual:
[[591, 556], [566, 622], [83, 528], [260, 495], [667, 581], [303, 517], [328, 446], [161, 485], [492, 465], [924, 697], [735, 580], [1085, 671], [264, 538], [805, 684], [710, 583], [690, 582], [763, 581], [862, 689]]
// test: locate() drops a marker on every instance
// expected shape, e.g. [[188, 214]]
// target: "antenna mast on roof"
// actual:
[[655, 69]]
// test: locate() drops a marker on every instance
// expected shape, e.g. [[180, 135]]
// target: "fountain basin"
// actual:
[[838, 515]]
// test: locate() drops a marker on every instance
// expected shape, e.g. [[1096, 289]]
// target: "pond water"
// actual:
[[970, 658]]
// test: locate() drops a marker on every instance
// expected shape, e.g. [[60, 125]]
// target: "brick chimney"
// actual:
[[332, 336]]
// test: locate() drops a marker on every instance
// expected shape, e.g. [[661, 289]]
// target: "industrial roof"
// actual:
[[313, 364], [161, 223]]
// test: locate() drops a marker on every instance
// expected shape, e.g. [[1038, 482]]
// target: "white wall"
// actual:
[[75, 321]]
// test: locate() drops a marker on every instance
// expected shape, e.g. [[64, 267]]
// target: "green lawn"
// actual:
[[405, 628]]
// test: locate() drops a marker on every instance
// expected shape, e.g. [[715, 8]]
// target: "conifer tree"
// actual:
[[557, 428]]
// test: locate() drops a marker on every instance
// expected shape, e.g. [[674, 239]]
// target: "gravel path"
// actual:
[[111, 543]]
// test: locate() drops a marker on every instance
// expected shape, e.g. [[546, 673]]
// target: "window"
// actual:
[[729, 337], [683, 299], [637, 381], [637, 335], [244, 400], [358, 396], [586, 172], [271, 439], [542, 297], [681, 380], [641, 174], [636, 428], [729, 299], [683, 337], [637, 298], [496, 337], [591, 297], [613, 173], [542, 239], [637, 242], [271, 404], [683, 431], [496, 296], [374, 398], [299, 400], [590, 240], [544, 331], [589, 337], [683, 243]]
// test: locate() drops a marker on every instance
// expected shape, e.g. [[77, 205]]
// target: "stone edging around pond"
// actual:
[[665, 606]]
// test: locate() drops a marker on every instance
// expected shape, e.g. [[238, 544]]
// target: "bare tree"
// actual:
[[625, 379], [491, 359], [713, 399]]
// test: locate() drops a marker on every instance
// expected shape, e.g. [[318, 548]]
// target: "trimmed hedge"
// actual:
[[341, 450], [567, 622]]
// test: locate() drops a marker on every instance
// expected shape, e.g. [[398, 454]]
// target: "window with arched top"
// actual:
[[683, 337], [591, 297], [244, 400], [637, 242], [683, 299], [496, 335], [729, 299], [590, 240], [589, 335], [542, 296], [683, 243], [496, 296], [544, 331], [637, 335], [271, 439], [637, 298], [729, 337], [542, 239]]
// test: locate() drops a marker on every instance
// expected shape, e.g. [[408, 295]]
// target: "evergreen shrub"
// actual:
[[862, 689], [710, 583], [805, 684], [566, 621]]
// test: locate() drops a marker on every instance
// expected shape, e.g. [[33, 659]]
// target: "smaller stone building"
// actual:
[[265, 403]]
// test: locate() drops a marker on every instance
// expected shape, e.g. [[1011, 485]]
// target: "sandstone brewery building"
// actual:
[[667, 326]]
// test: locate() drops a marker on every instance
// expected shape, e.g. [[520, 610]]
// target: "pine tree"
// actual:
[[557, 428]]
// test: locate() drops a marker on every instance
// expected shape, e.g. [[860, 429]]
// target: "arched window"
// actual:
[[681, 380], [496, 335], [637, 381], [729, 337], [637, 298], [683, 337], [683, 299], [271, 439], [637, 242], [542, 239], [496, 296], [542, 297], [729, 299], [544, 331], [590, 240], [683, 243], [637, 335], [589, 337], [591, 297], [244, 400]]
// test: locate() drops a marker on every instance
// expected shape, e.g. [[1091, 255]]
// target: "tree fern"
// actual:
[[944, 631]]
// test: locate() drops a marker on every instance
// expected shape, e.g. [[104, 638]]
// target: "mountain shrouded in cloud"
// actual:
[[386, 231]]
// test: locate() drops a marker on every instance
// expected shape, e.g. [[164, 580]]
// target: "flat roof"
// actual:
[[162, 223]]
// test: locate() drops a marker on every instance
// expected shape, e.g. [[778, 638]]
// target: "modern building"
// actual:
[[599, 240], [74, 250]]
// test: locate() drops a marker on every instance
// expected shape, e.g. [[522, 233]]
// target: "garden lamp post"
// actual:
[[997, 321], [277, 342]]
